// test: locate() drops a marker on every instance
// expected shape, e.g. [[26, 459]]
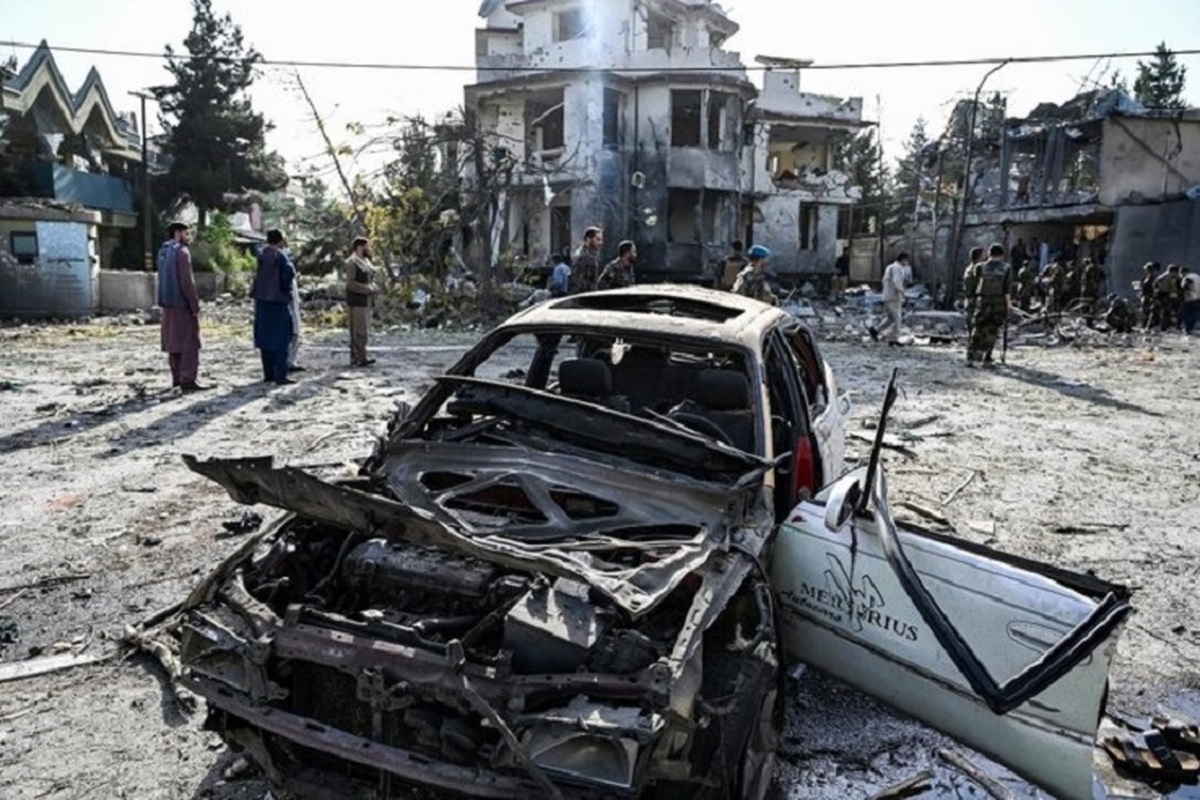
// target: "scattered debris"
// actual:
[[14, 598], [165, 651], [889, 443], [927, 513], [958, 490], [1089, 528], [985, 781], [915, 785], [9, 632], [20, 670], [248, 522]]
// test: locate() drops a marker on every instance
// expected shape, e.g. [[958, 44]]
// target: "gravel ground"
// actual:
[[1084, 456]]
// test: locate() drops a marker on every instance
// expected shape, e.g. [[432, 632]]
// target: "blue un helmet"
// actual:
[[758, 252]]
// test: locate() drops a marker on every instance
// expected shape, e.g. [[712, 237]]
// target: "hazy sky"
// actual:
[[440, 32]]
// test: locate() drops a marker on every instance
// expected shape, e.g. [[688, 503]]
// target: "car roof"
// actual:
[[660, 309]]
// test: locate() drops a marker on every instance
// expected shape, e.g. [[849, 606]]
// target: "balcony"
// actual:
[[88, 189]]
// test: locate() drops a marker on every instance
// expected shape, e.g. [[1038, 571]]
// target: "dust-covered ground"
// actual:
[[1087, 457]]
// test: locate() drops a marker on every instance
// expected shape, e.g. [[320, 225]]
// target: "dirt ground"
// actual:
[[1087, 457]]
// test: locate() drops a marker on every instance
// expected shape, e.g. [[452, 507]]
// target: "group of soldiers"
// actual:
[[742, 272], [1164, 295], [1061, 285]]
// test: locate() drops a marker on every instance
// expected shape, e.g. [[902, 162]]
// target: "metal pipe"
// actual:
[[147, 211], [966, 188]]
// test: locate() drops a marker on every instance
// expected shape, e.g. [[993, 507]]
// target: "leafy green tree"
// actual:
[[1160, 82], [913, 176], [860, 157], [215, 139]]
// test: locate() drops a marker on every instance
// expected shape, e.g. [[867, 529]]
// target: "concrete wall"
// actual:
[[780, 230], [1167, 233], [61, 282], [127, 291], [1148, 159]]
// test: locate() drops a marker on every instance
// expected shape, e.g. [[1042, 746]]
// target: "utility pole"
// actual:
[[956, 240], [147, 210]]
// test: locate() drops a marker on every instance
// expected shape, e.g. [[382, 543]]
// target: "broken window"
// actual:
[[612, 117], [809, 216], [547, 122], [660, 31], [24, 246], [693, 216], [570, 24], [718, 112], [687, 107]]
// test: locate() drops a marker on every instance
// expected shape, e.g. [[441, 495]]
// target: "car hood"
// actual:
[[632, 535]]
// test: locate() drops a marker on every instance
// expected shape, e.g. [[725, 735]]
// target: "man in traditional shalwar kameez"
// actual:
[[272, 293], [180, 303]]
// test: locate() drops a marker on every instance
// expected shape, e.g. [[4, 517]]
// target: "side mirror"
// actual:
[[844, 497]]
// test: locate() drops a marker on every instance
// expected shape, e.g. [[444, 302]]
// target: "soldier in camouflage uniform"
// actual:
[[971, 283], [1119, 317], [1168, 297], [585, 268], [1026, 281], [751, 282], [1093, 279], [618, 273], [992, 303], [1146, 287], [732, 266]]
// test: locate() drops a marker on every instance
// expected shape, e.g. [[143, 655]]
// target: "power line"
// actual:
[[293, 64]]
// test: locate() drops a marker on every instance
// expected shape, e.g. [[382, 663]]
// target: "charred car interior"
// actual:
[[572, 579]]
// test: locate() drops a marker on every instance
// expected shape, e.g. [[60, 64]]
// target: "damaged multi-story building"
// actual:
[[632, 116], [68, 167], [1100, 177]]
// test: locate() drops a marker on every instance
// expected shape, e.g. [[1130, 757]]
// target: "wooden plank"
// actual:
[[19, 670]]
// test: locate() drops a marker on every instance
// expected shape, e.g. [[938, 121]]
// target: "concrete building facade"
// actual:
[[631, 115]]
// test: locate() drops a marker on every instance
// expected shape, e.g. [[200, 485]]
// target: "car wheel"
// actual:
[[758, 758]]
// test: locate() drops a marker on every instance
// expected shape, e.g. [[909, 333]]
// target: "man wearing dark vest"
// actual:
[[360, 290], [992, 303], [272, 292], [180, 305]]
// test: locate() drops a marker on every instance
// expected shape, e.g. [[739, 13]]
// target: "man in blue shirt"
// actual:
[[559, 284], [272, 293]]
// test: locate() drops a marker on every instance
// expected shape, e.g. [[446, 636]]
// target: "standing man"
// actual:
[[272, 294], [993, 300], [1093, 282], [751, 281], [971, 284], [1146, 288], [180, 303], [360, 292], [842, 268], [1168, 297], [586, 268], [1026, 281], [732, 265], [896, 278], [618, 273], [1191, 300], [559, 283]]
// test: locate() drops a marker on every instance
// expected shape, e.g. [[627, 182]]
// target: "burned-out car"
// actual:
[[575, 568]]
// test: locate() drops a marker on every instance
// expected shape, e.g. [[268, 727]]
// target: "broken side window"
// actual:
[[613, 100], [809, 214], [570, 24], [660, 31], [686, 111]]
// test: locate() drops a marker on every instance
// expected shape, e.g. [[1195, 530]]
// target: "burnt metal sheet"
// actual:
[[637, 590]]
